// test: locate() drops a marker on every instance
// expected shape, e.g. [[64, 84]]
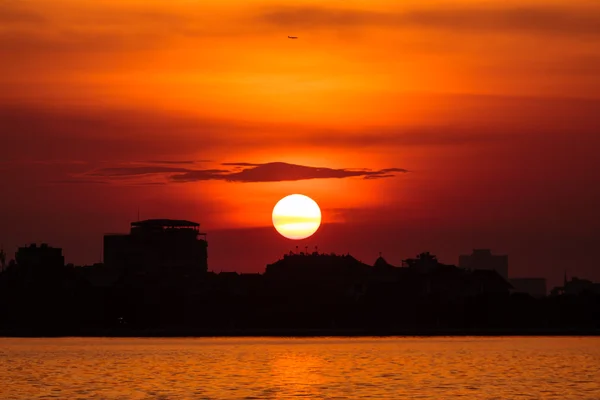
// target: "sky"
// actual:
[[436, 126]]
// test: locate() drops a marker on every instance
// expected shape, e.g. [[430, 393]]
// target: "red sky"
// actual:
[[440, 126]]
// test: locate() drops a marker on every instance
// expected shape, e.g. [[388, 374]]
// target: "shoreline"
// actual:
[[205, 333]]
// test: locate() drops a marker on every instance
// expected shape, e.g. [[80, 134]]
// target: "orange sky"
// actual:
[[488, 111]]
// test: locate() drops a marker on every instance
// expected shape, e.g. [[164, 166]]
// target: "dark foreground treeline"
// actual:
[[66, 304]]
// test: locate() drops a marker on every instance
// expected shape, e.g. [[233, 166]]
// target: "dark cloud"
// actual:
[[269, 172], [54, 134], [79, 182], [37, 134], [47, 133], [527, 19], [134, 171], [42, 162], [150, 184], [279, 172], [174, 162], [379, 176], [241, 164]]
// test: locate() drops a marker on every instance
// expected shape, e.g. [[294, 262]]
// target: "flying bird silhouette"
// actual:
[[292, 37]]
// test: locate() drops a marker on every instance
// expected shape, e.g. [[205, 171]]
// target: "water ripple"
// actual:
[[287, 368]]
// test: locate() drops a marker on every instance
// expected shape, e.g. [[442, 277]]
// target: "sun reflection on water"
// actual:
[[286, 368]]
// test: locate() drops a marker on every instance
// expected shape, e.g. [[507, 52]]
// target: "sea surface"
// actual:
[[308, 368]]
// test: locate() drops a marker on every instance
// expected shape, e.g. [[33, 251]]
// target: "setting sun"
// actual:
[[296, 216]]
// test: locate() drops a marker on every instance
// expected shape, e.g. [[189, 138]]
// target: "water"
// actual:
[[282, 368]]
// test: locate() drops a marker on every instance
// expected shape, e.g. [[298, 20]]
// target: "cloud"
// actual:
[[104, 28], [526, 19], [79, 182], [404, 137], [42, 162], [49, 133], [281, 171], [134, 171], [241, 164], [14, 13], [82, 139], [97, 27], [379, 176], [54, 134], [250, 172], [174, 162], [150, 184]]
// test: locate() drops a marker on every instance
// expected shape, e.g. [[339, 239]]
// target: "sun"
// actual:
[[296, 216]]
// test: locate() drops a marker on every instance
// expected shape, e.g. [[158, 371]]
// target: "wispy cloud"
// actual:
[[246, 172], [80, 182], [136, 134], [174, 162], [134, 171], [114, 137], [404, 137], [61, 133], [526, 19], [14, 13], [42, 162], [130, 27]]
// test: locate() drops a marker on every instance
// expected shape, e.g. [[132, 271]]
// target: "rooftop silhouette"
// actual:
[[156, 277]]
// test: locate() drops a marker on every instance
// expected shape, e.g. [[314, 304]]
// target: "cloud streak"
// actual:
[[79, 182], [526, 19], [135, 134], [174, 162], [13, 13], [101, 28], [136, 171], [245, 173]]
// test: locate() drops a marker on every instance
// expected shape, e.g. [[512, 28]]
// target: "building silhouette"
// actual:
[[535, 287], [158, 247], [40, 259], [317, 266], [425, 271], [342, 275], [422, 263], [317, 275], [575, 287], [155, 279], [484, 259], [382, 265]]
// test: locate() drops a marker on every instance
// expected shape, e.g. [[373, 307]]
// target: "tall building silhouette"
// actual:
[[158, 247], [41, 265], [43, 258], [484, 259]]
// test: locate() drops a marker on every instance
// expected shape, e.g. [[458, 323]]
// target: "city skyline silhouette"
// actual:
[[156, 278]]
